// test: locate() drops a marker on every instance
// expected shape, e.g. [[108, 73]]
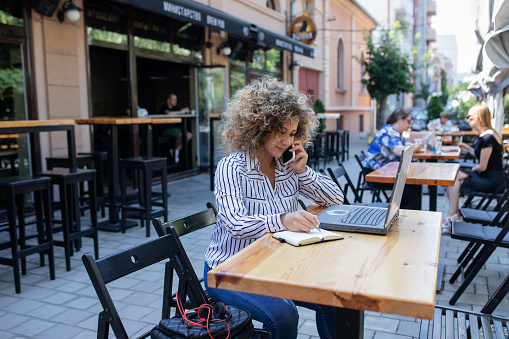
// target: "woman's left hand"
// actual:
[[301, 158]]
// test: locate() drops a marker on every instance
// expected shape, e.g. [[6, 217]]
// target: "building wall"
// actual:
[[60, 77], [350, 26]]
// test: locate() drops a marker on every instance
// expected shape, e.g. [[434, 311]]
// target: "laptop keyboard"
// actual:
[[365, 216]]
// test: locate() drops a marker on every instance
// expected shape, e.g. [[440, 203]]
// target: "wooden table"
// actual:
[[33, 128], [395, 274], [448, 153], [112, 123], [420, 173]]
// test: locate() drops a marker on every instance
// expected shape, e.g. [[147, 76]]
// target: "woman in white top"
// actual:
[[256, 193]]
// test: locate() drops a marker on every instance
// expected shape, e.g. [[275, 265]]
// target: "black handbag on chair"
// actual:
[[229, 322]]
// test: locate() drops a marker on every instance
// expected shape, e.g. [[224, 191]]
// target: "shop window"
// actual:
[[307, 6], [106, 23], [15, 101], [340, 66], [249, 62]]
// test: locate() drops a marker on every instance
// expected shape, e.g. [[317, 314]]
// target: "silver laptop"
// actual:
[[367, 219]]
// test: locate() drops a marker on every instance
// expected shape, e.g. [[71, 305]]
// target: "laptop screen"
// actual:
[[399, 182]]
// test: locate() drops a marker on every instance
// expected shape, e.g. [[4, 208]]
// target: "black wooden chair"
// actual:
[[484, 240], [363, 186], [481, 216], [462, 324], [189, 223], [123, 263], [181, 227]]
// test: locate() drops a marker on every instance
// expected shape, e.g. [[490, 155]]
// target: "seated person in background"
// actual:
[[256, 193], [488, 176], [387, 146], [442, 124], [170, 108]]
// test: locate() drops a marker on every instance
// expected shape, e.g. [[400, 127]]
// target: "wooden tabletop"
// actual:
[[448, 153], [126, 121], [395, 274], [30, 123], [419, 173]]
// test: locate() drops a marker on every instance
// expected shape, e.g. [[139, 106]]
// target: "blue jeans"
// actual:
[[278, 315]]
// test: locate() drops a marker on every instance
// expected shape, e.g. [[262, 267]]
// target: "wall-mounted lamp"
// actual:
[[225, 47], [295, 66], [70, 10]]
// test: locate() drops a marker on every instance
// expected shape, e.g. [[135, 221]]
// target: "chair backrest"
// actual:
[[123, 263], [340, 172], [502, 214], [360, 158], [189, 223]]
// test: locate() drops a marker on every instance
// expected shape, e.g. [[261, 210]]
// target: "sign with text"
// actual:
[[303, 29]]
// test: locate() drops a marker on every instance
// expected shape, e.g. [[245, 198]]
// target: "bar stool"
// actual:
[[67, 181], [144, 167], [14, 189], [89, 160], [345, 143]]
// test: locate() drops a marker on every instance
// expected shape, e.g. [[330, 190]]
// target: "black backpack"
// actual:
[[236, 319]]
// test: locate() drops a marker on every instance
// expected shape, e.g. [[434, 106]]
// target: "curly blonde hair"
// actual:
[[262, 107]]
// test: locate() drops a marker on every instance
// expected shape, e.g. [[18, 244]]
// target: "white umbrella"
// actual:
[[492, 83], [497, 40]]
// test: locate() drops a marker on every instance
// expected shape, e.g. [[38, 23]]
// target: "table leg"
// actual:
[[113, 223], [349, 323], [432, 197], [211, 155], [185, 149]]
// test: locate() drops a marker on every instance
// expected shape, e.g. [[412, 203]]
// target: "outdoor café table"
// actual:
[[420, 173], [395, 273], [113, 223], [33, 128], [448, 153]]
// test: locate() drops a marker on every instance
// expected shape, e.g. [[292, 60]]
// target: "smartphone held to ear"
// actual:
[[288, 156]]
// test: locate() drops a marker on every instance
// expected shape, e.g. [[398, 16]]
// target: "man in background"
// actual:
[[442, 124], [170, 108]]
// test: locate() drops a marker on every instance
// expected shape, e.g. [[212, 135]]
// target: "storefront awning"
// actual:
[[194, 12]]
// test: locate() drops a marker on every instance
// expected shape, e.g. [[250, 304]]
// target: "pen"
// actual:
[[318, 228]]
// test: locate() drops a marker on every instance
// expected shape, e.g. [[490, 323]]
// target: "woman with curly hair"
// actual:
[[256, 193]]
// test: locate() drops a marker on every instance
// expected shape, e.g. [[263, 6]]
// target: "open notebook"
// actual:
[[367, 219], [301, 238]]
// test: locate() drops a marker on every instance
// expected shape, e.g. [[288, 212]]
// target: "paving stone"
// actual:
[[409, 328], [381, 324], [32, 327], [11, 320], [59, 331]]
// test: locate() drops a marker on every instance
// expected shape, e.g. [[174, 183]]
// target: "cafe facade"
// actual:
[[123, 57]]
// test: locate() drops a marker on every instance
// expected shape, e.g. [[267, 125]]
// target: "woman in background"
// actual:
[[488, 175], [387, 146]]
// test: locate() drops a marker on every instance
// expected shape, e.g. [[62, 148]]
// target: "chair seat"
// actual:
[[462, 324], [484, 234], [478, 216], [69, 175]]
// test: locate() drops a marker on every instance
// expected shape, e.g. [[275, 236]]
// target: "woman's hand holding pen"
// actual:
[[301, 158], [300, 221]]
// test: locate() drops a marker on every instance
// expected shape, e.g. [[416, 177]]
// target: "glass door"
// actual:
[[14, 149], [211, 94]]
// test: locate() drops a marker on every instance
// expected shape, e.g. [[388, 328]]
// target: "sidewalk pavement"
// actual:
[[68, 307]]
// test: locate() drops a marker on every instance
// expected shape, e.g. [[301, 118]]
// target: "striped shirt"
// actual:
[[248, 206]]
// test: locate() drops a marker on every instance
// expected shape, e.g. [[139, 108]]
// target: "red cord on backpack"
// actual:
[[204, 321]]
